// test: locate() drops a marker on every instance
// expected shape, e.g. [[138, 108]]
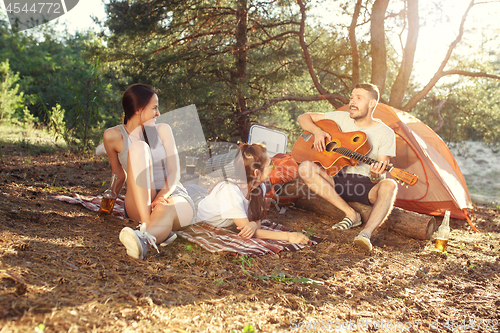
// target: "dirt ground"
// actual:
[[63, 270]]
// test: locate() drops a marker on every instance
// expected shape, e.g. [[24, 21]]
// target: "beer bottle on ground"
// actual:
[[109, 197], [443, 233]]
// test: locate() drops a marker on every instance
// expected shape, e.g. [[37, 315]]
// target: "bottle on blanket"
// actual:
[[109, 197]]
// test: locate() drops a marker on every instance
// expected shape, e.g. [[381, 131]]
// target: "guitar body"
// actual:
[[333, 162]]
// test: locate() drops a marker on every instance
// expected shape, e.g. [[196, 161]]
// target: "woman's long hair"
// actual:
[[254, 158], [136, 97]]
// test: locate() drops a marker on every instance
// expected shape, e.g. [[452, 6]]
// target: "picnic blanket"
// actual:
[[92, 203], [212, 239], [216, 239]]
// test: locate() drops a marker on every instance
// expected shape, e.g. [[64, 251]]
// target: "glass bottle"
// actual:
[[191, 164], [109, 197], [443, 233]]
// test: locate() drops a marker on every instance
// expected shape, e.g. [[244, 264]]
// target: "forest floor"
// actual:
[[63, 270]]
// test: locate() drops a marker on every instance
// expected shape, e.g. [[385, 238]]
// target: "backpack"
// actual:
[[285, 170]]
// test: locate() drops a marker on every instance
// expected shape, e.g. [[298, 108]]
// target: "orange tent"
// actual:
[[419, 150]]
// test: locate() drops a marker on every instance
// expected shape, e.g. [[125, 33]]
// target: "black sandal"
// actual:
[[347, 223]]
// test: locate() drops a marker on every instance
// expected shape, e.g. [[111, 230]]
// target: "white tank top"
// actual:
[[158, 156]]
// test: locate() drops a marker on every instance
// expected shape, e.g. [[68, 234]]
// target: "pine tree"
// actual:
[[10, 100]]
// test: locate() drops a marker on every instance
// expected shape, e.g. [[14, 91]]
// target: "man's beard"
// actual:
[[359, 115]]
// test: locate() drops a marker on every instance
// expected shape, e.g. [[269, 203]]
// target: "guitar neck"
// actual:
[[357, 156]]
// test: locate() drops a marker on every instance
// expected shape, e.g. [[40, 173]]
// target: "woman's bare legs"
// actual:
[[175, 214], [140, 182], [165, 217]]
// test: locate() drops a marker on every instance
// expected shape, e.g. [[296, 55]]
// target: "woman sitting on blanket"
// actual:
[[144, 155], [241, 203]]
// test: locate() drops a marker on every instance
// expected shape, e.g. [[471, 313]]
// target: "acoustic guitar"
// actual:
[[345, 148]]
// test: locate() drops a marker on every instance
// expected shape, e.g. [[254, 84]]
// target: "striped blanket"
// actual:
[[215, 239], [210, 238], [92, 203]]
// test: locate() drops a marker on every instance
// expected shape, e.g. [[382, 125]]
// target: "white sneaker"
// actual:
[[136, 241], [363, 241], [170, 239]]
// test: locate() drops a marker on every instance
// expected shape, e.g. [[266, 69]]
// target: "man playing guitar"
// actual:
[[360, 183]]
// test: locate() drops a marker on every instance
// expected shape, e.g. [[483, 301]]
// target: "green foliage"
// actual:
[[57, 127], [54, 180], [54, 69], [245, 260], [10, 100], [308, 231], [203, 52], [219, 281], [247, 329], [25, 118], [472, 110], [280, 277], [191, 51]]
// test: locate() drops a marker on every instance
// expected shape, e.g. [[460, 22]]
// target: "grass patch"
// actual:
[[33, 140]]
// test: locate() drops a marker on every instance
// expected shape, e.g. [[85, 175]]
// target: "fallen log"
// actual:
[[411, 224]]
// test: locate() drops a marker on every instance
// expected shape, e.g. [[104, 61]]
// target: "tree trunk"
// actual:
[[354, 44], [239, 76], [307, 57], [241, 46], [87, 115], [437, 113], [243, 121], [377, 41], [401, 83], [410, 224]]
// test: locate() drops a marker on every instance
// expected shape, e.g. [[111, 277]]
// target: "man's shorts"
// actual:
[[353, 187]]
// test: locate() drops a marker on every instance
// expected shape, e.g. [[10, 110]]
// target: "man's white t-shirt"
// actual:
[[381, 137], [224, 203]]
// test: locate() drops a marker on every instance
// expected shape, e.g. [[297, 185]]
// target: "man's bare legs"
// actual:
[[382, 196], [316, 178]]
